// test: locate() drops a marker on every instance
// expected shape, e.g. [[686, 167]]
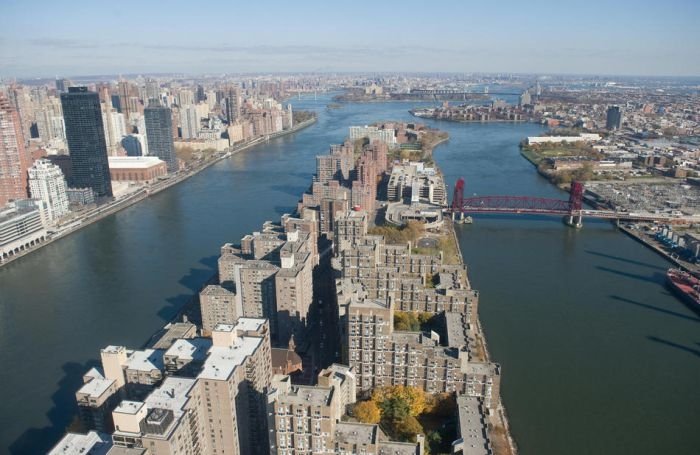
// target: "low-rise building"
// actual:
[[136, 168]]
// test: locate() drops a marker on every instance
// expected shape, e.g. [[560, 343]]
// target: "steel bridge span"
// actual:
[[571, 210]]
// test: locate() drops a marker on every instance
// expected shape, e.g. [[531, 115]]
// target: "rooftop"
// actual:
[[129, 407], [133, 162], [172, 394], [146, 360], [92, 443], [472, 428], [355, 433], [308, 396], [189, 349], [223, 360]]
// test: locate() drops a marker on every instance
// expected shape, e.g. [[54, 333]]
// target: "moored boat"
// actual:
[[686, 286]]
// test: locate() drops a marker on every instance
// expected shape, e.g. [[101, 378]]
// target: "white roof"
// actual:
[[129, 407], [187, 349], [92, 443], [133, 162], [146, 360], [172, 394], [96, 387], [223, 360]]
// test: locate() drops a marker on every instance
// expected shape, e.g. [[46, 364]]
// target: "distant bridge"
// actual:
[[572, 210], [456, 92]]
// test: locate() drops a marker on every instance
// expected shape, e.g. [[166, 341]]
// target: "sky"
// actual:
[[613, 37]]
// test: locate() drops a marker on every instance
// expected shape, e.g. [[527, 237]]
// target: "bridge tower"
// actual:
[[575, 219], [458, 199]]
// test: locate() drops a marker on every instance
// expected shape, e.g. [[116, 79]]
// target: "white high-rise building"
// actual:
[[189, 119], [186, 98], [47, 183]]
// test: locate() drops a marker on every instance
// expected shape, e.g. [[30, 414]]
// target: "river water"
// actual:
[[597, 356]]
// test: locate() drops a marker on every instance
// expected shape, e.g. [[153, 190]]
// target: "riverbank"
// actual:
[[499, 425], [113, 207]]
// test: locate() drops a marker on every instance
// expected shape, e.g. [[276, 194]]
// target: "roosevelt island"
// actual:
[[349, 325]]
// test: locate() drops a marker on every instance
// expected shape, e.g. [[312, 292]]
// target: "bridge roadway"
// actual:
[[585, 213]]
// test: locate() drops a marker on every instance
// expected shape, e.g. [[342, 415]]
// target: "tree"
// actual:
[[407, 429], [397, 401], [367, 412]]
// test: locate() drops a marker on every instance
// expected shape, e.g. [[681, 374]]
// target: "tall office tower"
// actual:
[[47, 183], [86, 140], [14, 160], [232, 104], [159, 134], [613, 119], [62, 85], [124, 91], [152, 90], [200, 96], [189, 119]]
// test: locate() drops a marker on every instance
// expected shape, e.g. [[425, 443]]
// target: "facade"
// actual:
[[373, 133], [86, 140], [159, 134], [384, 357], [136, 168], [271, 275], [21, 228], [46, 182], [189, 121], [14, 160], [613, 118], [218, 306]]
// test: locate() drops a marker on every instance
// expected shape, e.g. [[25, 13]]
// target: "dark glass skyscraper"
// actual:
[[85, 135], [159, 133], [614, 118]]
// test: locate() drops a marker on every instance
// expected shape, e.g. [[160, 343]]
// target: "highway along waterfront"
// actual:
[[597, 355]]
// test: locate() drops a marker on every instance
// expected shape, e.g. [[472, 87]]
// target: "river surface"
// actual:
[[597, 356]]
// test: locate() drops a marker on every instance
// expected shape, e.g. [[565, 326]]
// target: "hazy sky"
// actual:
[[77, 37]]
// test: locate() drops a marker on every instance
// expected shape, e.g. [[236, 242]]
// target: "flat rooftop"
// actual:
[[190, 349], [472, 427], [172, 394], [146, 360], [133, 162], [223, 360], [92, 443], [355, 433], [308, 396], [129, 407]]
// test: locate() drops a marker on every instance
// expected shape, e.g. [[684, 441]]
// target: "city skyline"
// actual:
[[596, 38]]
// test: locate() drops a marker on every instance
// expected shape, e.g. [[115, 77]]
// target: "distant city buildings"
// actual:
[[86, 140]]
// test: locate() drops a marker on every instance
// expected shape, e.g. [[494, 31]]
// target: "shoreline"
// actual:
[[502, 416], [113, 207]]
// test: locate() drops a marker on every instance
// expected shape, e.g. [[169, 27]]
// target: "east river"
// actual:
[[597, 356]]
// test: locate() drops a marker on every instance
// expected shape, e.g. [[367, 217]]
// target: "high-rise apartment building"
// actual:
[[613, 118], [13, 156], [189, 120], [85, 135], [47, 183], [159, 134]]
